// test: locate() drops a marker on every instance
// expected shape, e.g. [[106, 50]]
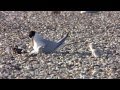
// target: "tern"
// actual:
[[44, 45]]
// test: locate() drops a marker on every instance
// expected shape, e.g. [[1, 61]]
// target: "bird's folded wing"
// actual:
[[39, 40], [52, 46]]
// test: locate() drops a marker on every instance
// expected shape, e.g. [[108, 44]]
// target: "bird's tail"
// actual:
[[61, 41]]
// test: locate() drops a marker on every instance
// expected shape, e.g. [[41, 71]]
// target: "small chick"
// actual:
[[95, 52]]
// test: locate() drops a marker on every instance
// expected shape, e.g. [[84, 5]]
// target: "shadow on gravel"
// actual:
[[80, 54]]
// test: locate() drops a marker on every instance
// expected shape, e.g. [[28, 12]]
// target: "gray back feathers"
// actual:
[[48, 46]]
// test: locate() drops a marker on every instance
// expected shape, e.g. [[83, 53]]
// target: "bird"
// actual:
[[40, 44], [95, 51]]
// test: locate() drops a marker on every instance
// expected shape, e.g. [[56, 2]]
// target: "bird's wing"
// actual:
[[61, 41], [52, 46], [39, 40]]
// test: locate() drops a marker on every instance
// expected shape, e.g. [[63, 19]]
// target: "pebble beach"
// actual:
[[91, 51]]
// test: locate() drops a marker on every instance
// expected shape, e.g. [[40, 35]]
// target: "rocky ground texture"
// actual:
[[76, 59]]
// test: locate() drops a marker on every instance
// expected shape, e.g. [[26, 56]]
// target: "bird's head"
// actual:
[[31, 34]]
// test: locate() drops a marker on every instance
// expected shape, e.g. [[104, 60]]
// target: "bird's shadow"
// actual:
[[82, 54]]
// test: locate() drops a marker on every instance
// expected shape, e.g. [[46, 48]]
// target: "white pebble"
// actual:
[[1, 66], [82, 12], [7, 50], [0, 44]]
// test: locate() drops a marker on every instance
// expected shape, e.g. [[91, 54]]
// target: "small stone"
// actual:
[[1, 66], [0, 44], [8, 50], [82, 12]]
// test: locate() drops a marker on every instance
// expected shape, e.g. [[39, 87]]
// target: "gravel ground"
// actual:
[[75, 60]]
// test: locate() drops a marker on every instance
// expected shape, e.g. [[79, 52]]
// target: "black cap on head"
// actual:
[[31, 34]]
